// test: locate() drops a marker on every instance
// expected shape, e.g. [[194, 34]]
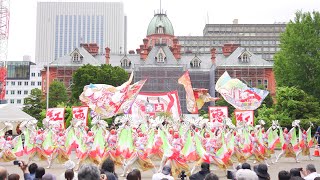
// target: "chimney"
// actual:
[[145, 42], [138, 51], [131, 52], [107, 55], [228, 49], [92, 48], [213, 56]]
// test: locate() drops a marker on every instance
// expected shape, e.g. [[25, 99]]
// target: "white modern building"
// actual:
[[63, 26], [22, 77]]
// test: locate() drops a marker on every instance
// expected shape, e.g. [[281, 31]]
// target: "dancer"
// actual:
[[305, 142], [6, 154], [139, 157], [287, 147], [111, 150]]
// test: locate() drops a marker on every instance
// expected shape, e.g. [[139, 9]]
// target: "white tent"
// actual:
[[13, 115]]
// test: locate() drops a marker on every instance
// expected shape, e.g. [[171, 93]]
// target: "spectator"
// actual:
[[13, 177], [205, 169], [262, 172], [211, 176], [246, 166], [310, 173], [108, 168], [246, 174], [296, 178], [317, 178], [69, 174], [166, 171], [284, 175], [3, 173], [69, 165], [295, 172], [32, 170], [48, 176], [133, 176], [40, 171], [88, 171], [137, 171]]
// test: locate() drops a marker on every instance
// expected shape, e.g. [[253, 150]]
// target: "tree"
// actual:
[[297, 63], [104, 74], [33, 104], [57, 94], [296, 103]]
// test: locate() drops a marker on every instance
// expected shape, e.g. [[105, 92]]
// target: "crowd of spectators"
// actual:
[[107, 172]]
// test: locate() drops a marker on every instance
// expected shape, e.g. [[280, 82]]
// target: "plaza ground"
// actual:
[[283, 164]]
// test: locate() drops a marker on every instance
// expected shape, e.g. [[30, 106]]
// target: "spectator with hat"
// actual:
[[166, 173], [262, 172]]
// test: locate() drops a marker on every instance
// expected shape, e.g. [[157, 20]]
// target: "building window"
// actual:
[[19, 83], [7, 83], [125, 62], [7, 92], [161, 57], [39, 75], [250, 83], [244, 57], [26, 83], [18, 101], [259, 82], [12, 92], [12, 101], [195, 62], [19, 92], [39, 83], [13, 83], [160, 30], [33, 74], [265, 83], [33, 83], [25, 92]]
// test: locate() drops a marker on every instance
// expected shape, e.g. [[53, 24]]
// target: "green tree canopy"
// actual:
[[57, 94], [297, 63], [33, 104], [104, 74]]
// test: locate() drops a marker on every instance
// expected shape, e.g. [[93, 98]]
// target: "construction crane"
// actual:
[[4, 34]]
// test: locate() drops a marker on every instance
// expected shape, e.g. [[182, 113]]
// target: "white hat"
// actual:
[[69, 164]]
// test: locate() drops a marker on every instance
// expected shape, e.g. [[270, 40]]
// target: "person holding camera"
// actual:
[[205, 169]]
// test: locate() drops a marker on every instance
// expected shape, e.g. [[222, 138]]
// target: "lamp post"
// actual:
[[48, 83]]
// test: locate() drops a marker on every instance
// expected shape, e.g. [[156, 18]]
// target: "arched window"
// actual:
[[195, 62], [160, 30], [75, 57]]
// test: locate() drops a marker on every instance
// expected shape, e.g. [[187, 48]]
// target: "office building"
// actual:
[[261, 39], [63, 26]]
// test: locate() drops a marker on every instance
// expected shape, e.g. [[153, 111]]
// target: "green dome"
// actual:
[[160, 20]]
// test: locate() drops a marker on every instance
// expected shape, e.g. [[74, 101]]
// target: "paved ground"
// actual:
[[283, 164]]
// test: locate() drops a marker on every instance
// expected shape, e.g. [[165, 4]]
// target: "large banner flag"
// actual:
[[190, 99], [151, 104], [105, 100], [238, 94], [132, 94], [56, 114], [217, 114], [244, 117], [202, 96], [81, 113]]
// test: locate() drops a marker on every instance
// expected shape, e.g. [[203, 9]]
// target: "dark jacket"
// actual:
[[199, 175]]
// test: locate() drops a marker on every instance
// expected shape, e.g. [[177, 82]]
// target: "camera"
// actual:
[[16, 162], [183, 175], [230, 174]]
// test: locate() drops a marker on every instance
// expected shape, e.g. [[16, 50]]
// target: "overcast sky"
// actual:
[[187, 16]]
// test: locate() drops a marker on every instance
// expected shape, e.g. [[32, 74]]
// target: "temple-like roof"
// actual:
[[160, 20]]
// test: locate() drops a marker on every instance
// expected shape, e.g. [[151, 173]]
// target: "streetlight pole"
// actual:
[[48, 85]]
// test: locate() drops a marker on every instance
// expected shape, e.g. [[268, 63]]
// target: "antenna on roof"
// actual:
[[160, 7]]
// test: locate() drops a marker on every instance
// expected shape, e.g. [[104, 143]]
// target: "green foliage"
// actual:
[[203, 113], [57, 94], [292, 103], [296, 103], [33, 104], [297, 63], [104, 74]]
